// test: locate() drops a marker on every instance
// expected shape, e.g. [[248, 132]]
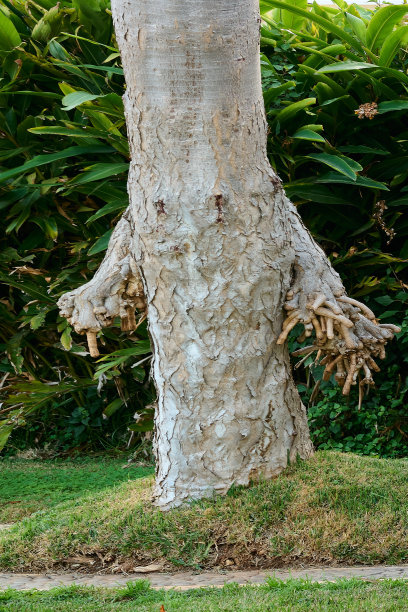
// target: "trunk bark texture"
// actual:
[[215, 243]]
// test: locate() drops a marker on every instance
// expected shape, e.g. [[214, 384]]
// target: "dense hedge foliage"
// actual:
[[64, 157], [336, 100]]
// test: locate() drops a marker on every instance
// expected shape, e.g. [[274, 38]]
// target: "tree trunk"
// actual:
[[217, 246], [214, 245]]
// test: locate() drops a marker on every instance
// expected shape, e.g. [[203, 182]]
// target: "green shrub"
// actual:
[[337, 104], [64, 156], [64, 159]]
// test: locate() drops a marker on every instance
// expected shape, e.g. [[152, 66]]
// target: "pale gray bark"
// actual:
[[217, 246], [116, 290]]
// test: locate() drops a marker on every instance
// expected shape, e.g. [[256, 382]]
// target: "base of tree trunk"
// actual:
[[217, 446]]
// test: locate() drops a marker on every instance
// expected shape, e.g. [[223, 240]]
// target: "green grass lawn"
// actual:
[[294, 595], [335, 508], [27, 486]]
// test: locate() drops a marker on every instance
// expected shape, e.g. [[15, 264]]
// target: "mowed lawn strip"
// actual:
[[27, 486], [294, 595], [334, 508]]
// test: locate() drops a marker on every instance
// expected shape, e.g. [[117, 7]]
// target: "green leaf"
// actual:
[[363, 228], [110, 57], [95, 18], [384, 300], [315, 127], [399, 75], [101, 244], [143, 426], [76, 98], [358, 26], [334, 89], [66, 339], [274, 92], [40, 160], [9, 37], [19, 221], [382, 24], [389, 314], [97, 43], [288, 18], [304, 134], [37, 320], [33, 290], [59, 130], [114, 206], [335, 162], [140, 348], [113, 407], [354, 165], [5, 432], [112, 69], [13, 349], [316, 56], [50, 227], [122, 356], [392, 44], [292, 109], [58, 51], [49, 25], [315, 193], [96, 172], [343, 66], [392, 105], [38, 94], [333, 100], [362, 149], [399, 202], [265, 40], [326, 24], [361, 181]]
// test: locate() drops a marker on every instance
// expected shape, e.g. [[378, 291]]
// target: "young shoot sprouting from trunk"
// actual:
[[218, 255], [116, 290], [346, 336]]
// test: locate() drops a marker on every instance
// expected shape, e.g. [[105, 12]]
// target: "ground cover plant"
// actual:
[[30, 485], [336, 508], [275, 595], [60, 97]]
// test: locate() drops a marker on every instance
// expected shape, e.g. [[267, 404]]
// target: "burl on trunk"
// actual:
[[214, 250]]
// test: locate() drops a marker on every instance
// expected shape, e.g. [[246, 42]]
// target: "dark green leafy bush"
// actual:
[[64, 157], [336, 99], [64, 160]]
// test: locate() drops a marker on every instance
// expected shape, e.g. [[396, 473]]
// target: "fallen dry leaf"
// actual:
[[81, 560], [146, 569]]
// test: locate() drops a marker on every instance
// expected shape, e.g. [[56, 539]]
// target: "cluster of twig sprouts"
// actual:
[[347, 337], [132, 300], [88, 310]]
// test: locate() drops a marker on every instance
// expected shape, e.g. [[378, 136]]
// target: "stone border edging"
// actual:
[[188, 580]]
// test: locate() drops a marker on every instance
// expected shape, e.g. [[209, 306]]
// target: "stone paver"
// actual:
[[184, 580]]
